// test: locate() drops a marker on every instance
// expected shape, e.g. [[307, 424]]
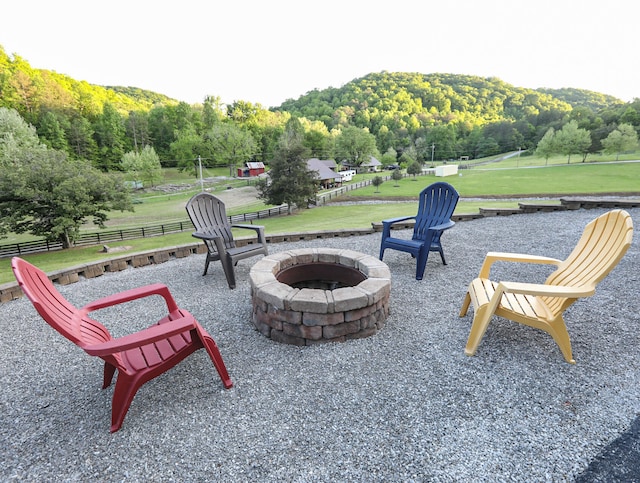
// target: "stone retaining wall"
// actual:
[[11, 290]]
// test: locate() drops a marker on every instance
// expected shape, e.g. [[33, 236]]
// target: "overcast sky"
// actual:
[[265, 51]]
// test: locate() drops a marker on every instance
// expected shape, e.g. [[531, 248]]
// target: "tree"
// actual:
[[229, 144], [622, 139], [505, 134], [316, 138], [487, 147], [389, 157], [443, 140], [110, 131], [265, 126], [289, 180], [423, 149], [138, 129], [20, 89], [377, 181], [414, 169], [212, 111], [355, 145], [396, 176], [547, 145], [45, 193], [573, 140], [406, 159], [162, 129], [51, 131], [143, 166], [631, 115], [186, 149], [15, 135]]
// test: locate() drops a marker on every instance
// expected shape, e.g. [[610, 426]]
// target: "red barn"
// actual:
[[250, 170]]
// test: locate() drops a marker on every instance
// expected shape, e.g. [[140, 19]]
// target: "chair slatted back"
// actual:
[[602, 245], [436, 205], [57, 311], [209, 215]]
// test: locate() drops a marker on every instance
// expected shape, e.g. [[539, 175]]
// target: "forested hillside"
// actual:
[[462, 114], [30, 90], [413, 100], [421, 116]]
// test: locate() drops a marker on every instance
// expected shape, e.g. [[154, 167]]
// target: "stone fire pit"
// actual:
[[316, 295]]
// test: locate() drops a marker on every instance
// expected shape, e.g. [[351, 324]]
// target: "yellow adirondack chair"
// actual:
[[604, 242]]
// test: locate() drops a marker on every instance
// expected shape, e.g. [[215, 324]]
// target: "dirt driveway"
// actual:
[[235, 197]]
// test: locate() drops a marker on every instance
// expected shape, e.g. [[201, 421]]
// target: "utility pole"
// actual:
[[433, 148], [200, 168]]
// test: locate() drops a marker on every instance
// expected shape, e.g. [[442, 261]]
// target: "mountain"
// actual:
[[405, 111], [30, 91], [430, 99], [581, 97]]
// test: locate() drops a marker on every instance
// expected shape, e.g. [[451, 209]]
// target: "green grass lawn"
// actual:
[[496, 180], [316, 219], [526, 160]]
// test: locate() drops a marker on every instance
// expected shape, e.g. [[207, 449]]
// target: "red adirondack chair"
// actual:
[[137, 357]]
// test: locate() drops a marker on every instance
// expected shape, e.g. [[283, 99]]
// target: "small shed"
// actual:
[[371, 166], [251, 169]]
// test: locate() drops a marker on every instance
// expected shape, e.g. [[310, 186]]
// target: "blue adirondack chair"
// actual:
[[436, 206]]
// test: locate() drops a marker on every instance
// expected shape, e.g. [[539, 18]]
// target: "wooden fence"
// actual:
[[109, 236]]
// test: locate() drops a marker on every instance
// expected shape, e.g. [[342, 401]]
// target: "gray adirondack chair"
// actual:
[[209, 217]]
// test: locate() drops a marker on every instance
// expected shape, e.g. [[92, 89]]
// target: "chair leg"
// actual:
[[206, 265], [229, 272], [481, 320], [421, 262], [126, 388], [214, 353], [558, 330], [465, 305], [109, 371]]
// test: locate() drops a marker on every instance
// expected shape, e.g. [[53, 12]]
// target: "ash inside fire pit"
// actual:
[[310, 296], [319, 275]]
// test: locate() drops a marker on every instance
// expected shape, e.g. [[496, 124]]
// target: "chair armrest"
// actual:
[[386, 224], [391, 221], [150, 335], [133, 294], [493, 257], [546, 290], [442, 226], [259, 229], [248, 227], [218, 241], [204, 236]]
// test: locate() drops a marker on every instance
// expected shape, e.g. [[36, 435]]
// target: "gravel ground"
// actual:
[[403, 405]]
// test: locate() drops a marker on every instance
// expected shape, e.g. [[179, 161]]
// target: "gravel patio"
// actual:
[[403, 405]]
